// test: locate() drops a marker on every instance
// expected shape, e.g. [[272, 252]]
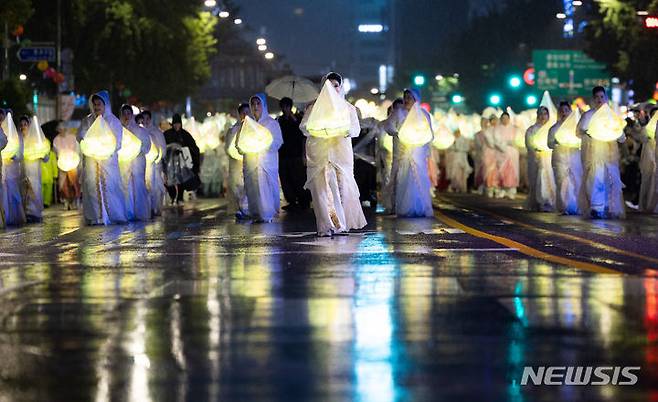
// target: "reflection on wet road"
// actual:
[[197, 307]]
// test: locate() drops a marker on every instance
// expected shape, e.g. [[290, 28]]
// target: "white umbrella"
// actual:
[[299, 89]]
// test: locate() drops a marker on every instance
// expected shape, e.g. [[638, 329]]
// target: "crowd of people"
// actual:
[[329, 157]]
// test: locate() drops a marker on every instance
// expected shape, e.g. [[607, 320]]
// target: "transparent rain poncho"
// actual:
[[13, 142], [547, 102], [330, 116], [651, 126]]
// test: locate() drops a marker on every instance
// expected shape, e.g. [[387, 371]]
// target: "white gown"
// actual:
[[102, 193], [236, 193], [541, 181], [261, 173], [602, 189], [648, 199], [411, 183], [12, 176], [133, 178], [330, 179], [33, 197], [3, 144], [568, 172], [460, 169], [155, 184]]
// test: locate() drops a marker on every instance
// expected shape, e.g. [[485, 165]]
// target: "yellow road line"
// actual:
[[527, 250], [583, 240]]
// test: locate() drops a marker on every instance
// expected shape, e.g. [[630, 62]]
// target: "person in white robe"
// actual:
[[460, 169], [541, 181], [102, 193], [3, 144], [600, 195], [66, 148], [261, 169], [477, 154], [489, 161], [507, 157], [412, 182], [133, 172], [567, 167], [155, 183], [388, 186], [236, 194], [12, 176], [330, 173], [32, 192]]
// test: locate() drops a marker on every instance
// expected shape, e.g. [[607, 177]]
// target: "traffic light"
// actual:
[[515, 81], [495, 99], [531, 100], [456, 99], [419, 80]]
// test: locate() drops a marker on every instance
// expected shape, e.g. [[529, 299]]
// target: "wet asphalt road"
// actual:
[[194, 307]]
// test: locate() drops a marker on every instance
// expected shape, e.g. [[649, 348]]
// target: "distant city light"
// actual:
[[371, 28], [262, 48], [269, 55], [577, 3], [651, 22], [210, 3], [237, 21], [348, 85], [495, 99], [261, 41], [419, 80], [208, 114], [642, 13], [374, 91], [457, 99], [560, 16], [531, 100], [438, 77], [223, 14], [22, 77], [455, 75]]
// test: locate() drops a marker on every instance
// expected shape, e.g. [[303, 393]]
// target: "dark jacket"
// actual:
[[185, 139], [293, 138]]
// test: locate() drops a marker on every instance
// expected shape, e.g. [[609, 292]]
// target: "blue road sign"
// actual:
[[33, 54]]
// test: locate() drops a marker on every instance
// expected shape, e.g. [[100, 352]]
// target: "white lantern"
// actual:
[[539, 139], [68, 160], [253, 137], [566, 133], [416, 129], [130, 146], [153, 155], [233, 151], [444, 138], [387, 142], [35, 145], [330, 115], [99, 142], [13, 142], [605, 125]]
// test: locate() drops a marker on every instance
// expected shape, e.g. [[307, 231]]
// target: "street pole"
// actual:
[[5, 67], [59, 55]]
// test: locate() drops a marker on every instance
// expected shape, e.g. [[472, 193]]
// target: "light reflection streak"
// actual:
[[139, 390], [177, 349]]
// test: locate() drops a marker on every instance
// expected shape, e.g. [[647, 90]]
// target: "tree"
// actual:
[[14, 94], [617, 36], [143, 50]]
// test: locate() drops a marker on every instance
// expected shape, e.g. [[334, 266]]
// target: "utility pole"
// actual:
[[59, 56], [5, 66]]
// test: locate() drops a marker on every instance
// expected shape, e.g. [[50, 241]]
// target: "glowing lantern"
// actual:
[[330, 115], [519, 140], [651, 126], [539, 139], [387, 142], [212, 141], [36, 146], [193, 128], [566, 134], [444, 138], [605, 125], [13, 142], [253, 138], [416, 129], [99, 142], [233, 151], [153, 155], [130, 146], [68, 160], [547, 102]]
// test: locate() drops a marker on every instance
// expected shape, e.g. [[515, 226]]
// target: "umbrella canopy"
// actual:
[[299, 89]]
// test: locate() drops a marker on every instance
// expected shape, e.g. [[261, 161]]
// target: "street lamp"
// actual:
[[457, 99], [374, 91], [22, 77], [262, 48], [223, 14], [237, 21], [419, 80], [261, 41], [269, 55], [438, 77], [560, 16], [210, 3]]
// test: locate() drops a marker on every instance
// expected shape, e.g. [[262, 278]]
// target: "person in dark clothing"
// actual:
[[292, 170], [182, 161]]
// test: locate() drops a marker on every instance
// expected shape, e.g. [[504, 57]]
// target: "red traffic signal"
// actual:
[[651, 22]]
